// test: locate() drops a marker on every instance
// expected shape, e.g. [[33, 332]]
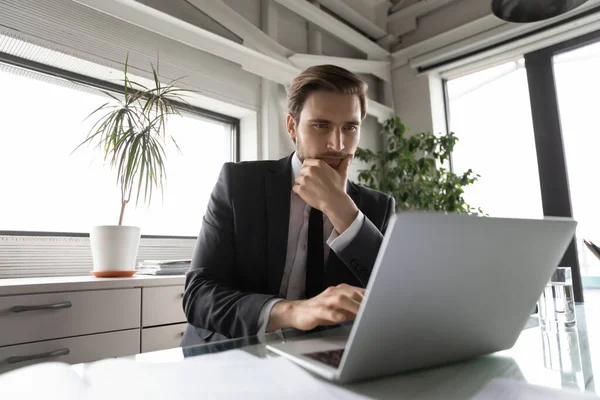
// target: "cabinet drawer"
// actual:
[[162, 337], [71, 350], [31, 318], [162, 305]]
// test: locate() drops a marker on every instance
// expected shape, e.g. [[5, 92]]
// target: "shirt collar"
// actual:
[[296, 167]]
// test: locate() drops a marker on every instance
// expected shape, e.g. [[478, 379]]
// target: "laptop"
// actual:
[[444, 288]]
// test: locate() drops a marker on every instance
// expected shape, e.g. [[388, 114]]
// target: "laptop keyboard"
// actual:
[[330, 357]]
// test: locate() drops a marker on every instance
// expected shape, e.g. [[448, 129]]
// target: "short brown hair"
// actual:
[[328, 78]]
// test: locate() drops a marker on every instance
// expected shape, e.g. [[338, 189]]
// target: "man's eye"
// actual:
[[320, 126], [351, 127]]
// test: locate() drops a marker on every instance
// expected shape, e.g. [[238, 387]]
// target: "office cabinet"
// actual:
[[29, 318], [162, 337], [71, 350], [84, 319]]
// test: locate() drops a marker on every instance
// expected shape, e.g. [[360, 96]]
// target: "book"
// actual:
[[163, 267]]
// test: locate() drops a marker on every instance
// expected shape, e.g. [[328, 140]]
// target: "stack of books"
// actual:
[[593, 248], [163, 267]]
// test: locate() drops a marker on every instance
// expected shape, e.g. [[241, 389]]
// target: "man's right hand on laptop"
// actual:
[[334, 305]]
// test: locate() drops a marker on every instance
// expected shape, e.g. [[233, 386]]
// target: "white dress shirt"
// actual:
[[294, 273]]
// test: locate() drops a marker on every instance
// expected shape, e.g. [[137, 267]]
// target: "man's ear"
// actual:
[[291, 127]]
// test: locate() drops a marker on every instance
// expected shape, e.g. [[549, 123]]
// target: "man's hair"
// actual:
[[328, 78]]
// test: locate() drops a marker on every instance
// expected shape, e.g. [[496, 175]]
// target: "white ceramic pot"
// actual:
[[114, 247]]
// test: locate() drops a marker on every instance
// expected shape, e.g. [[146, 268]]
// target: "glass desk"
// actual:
[[557, 359]]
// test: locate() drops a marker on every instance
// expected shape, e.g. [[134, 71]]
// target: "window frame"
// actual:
[[232, 122], [548, 137]]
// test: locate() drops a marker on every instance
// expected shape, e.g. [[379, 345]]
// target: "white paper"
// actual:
[[48, 381], [211, 378], [501, 389], [229, 375]]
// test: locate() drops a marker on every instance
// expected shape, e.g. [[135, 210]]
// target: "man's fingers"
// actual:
[[343, 167], [311, 162], [344, 303], [333, 316], [357, 296], [351, 291]]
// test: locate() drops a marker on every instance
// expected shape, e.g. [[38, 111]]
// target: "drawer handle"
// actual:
[[64, 304], [20, 359]]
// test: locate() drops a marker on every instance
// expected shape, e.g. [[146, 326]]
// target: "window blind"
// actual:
[[35, 256], [68, 35]]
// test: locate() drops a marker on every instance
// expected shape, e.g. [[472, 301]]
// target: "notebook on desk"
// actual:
[[444, 288]]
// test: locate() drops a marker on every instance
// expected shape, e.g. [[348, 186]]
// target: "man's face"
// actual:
[[329, 127]]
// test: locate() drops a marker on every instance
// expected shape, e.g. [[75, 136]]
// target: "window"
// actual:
[[577, 85], [489, 112], [45, 188]]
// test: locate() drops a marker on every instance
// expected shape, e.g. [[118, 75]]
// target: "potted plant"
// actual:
[[409, 168], [131, 135]]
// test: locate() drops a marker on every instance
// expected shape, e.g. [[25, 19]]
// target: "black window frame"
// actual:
[[548, 133], [41, 68]]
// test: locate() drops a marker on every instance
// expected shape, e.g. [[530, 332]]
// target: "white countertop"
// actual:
[[13, 286]]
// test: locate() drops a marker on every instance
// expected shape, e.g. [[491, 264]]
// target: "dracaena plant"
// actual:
[[131, 135], [410, 168]]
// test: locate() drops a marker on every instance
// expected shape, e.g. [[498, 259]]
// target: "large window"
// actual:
[[530, 128], [45, 188], [578, 85], [489, 112]]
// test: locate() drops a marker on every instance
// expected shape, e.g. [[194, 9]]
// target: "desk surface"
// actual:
[[563, 359]]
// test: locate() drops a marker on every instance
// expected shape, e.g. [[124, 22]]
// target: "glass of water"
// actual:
[[556, 307]]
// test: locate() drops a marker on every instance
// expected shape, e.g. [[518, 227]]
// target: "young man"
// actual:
[[290, 243]]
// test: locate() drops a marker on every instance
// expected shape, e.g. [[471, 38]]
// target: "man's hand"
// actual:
[[333, 306], [324, 188]]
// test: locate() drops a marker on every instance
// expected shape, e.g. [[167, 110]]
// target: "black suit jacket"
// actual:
[[239, 258]]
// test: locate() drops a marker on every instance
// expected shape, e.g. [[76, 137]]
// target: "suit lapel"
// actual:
[[278, 186]]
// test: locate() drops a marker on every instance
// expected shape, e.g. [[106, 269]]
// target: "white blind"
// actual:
[[34, 256], [68, 28]]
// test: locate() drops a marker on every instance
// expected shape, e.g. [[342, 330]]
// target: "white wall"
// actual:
[[412, 99]]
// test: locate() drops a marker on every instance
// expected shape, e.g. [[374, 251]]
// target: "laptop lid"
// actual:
[[447, 287]]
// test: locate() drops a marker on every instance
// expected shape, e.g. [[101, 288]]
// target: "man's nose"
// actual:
[[336, 139]]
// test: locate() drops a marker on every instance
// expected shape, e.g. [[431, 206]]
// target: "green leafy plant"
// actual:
[[409, 168], [131, 134]]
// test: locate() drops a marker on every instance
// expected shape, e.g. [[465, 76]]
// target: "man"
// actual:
[[290, 243]]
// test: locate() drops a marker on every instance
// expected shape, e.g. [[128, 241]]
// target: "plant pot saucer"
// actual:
[[113, 274]]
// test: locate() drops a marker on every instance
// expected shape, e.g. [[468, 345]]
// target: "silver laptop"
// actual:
[[444, 288]]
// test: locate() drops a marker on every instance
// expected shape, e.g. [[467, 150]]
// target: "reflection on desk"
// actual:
[[561, 359]]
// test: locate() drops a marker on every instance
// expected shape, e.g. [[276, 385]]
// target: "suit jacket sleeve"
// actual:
[[361, 253], [211, 300]]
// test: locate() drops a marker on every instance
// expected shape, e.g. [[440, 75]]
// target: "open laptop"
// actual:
[[444, 288]]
